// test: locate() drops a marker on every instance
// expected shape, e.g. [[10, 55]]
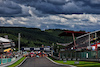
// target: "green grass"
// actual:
[[81, 63], [18, 62]]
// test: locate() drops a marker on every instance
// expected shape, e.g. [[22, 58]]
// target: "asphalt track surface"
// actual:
[[40, 62]]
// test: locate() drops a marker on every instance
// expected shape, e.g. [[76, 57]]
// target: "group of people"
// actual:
[[9, 54], [37, 54]]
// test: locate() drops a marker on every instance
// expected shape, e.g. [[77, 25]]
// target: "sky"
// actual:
[[51, 14]]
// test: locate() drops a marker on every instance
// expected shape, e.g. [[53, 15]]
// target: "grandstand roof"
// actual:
[[4, 40], [89, 33], [69, 33], [81, 40], [64, 44], [70, 45]]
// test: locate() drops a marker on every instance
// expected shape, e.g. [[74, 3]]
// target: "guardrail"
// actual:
[[54, 57]]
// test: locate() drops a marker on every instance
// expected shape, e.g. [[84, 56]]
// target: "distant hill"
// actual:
[[31, 37]]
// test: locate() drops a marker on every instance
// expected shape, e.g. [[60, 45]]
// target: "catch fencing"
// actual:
[[80, 55]]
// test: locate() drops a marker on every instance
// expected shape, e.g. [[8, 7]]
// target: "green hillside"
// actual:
[[31, 37]]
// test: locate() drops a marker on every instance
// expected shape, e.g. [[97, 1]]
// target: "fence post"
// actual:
[[66, 55], [71, 55], [1, 61], [7, 60]]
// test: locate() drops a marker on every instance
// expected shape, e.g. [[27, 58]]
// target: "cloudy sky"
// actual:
[[51, 14]]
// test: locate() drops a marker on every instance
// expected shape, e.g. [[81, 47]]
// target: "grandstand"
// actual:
[[74, 35], [89, 41], [6, 45], [87, 45]]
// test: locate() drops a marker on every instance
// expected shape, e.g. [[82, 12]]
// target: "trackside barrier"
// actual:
[[10, 63], [81, 55], [4, 60], [0, 61], [13, 59], [7, 60]]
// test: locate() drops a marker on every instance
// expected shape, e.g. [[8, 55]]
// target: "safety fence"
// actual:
[[7, 60], [80, 55]]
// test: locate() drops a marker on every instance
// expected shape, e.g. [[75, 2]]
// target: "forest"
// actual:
[[34, 37]]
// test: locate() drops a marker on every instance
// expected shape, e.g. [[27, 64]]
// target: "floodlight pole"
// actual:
[[74, 40], [74, 43], [18, 41], [96, 45], [89, 41]]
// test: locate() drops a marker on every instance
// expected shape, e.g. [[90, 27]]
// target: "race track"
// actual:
[[39, 62]]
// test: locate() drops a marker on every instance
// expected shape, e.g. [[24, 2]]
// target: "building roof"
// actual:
[[88, 34], [4, 40], [69, 33], [64, 44], [83, 36]]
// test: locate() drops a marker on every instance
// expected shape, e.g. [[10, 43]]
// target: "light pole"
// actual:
[[96, 46], [52, 49], [57, 49], [19, 42]]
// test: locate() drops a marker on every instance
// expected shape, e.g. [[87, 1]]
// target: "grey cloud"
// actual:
[[63, 6], [55, 2], [58, 2], [50, 14], [91, 3], [48, 8], [53, 22], [9, 8]]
